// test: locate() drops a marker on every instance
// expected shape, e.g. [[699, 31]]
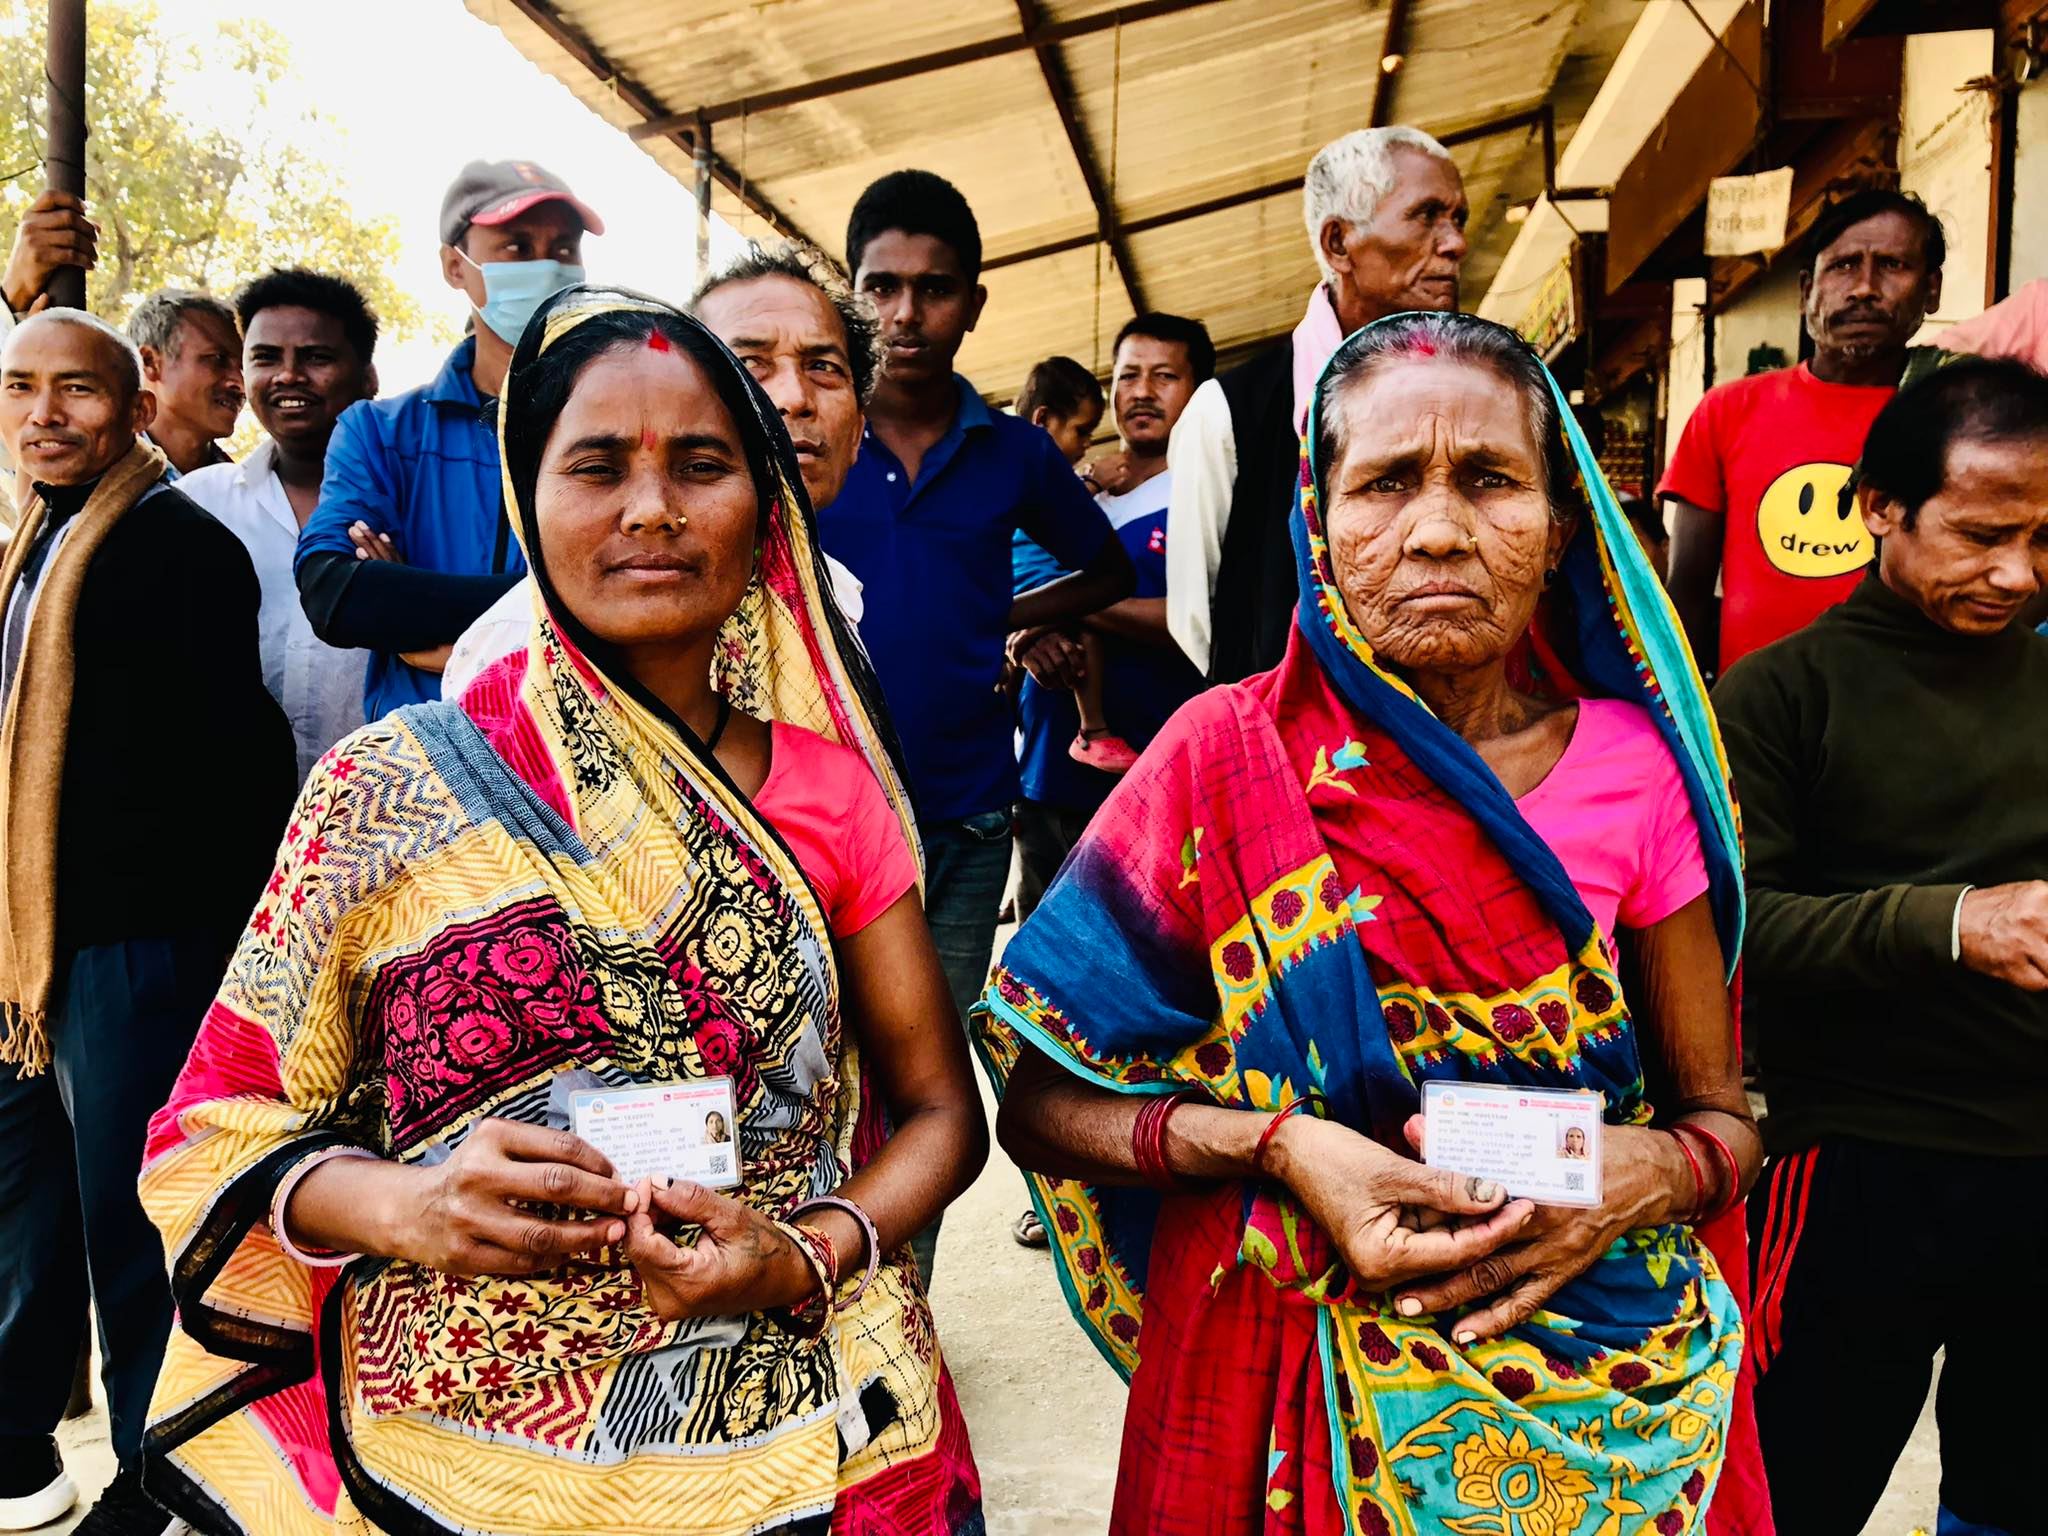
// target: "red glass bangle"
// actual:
[[1148, 1140], [1699, 1178], [1734, 1196]]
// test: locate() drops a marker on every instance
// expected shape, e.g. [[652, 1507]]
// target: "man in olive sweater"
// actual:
[[1893, 771]]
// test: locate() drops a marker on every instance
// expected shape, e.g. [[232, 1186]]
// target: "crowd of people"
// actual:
[[670, 694]]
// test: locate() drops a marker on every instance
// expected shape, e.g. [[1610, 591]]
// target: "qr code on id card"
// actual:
[[721, 1163], [1575, 1181]]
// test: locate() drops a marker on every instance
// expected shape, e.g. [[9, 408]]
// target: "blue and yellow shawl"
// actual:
[[1311, 883]]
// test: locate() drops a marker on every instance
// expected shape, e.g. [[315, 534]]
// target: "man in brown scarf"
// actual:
[[145, 778]]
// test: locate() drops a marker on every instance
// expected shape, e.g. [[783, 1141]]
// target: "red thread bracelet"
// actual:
[[1272, 1129]]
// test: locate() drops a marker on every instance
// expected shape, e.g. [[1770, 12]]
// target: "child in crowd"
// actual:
[[1063, 397]]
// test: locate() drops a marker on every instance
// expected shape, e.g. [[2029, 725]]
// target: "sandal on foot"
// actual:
[[1107, 752]]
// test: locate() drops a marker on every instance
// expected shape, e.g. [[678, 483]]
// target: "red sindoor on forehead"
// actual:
[[656, 342]]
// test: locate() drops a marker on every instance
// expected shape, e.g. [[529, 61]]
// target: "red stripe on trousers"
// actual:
[[1771, 1255], [1770, 1308]]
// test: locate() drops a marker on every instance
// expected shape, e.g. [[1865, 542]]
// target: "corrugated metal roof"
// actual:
[[1180, 109]]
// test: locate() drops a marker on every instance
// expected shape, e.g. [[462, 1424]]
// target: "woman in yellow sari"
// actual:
[[667, 843]]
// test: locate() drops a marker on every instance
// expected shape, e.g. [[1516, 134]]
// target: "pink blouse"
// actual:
[[825, 801], [1615, 811]]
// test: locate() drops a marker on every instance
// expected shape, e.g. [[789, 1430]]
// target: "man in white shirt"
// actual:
[[307, 344], [1386, 216], [790, 316]]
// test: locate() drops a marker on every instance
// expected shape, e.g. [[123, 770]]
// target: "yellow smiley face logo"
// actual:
[[1809, 525]]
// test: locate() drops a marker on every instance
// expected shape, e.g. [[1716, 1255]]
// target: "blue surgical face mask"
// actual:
[[514, 290]]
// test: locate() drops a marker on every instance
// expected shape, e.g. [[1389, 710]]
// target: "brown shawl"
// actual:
[[32, 740]]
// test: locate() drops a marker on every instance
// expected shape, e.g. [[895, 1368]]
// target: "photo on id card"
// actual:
[[679, 1130], [1537, 1143]]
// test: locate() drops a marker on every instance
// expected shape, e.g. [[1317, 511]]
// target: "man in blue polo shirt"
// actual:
[[1145, 677], [409, 543], [1160, 359], [925, 521]]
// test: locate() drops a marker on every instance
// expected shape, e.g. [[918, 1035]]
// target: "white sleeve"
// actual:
[[502, 629], [847, 589], [9, 513], [1202, 454]]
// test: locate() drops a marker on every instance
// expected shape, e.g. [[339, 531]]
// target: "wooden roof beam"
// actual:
[[677, 130], [1393, 45], [1532, 117], [1843, 19], [1709, 126], [1041, 36], [1061, 89]]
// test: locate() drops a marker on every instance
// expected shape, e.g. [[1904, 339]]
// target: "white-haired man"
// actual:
[[1386, 216]]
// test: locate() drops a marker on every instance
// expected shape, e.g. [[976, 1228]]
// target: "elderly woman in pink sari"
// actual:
[[1475, 830]]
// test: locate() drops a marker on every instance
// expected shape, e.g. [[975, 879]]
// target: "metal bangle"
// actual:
[[867, 1226], [312, 1258]]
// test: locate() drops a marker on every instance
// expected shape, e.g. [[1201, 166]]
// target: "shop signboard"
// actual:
[[1747, 214], [1552, 319]]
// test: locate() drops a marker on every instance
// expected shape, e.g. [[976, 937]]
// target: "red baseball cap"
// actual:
[[498, 191]]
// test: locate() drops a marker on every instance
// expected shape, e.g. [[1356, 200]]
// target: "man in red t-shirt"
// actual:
[[1760, 481]]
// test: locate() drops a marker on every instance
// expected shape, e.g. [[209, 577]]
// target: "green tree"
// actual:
[[199, 171]]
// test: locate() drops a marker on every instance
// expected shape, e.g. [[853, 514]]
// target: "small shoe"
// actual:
[[125, 1510], [34, 1488], [1030, 1231], [1109, 753]]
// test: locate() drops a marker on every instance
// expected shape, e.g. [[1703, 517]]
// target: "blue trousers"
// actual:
[[966, 865], [122, 1020]]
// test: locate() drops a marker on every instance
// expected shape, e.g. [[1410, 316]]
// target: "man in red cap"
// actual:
[[409, 543]]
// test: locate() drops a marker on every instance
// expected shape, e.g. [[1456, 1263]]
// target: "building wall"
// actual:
[[1685, 379], [1766, 313], [1945, 152], [1945, 157], [2030, 185]]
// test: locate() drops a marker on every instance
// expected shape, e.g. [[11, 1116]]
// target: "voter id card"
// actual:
[[681, 1130], [1537, 1143]]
